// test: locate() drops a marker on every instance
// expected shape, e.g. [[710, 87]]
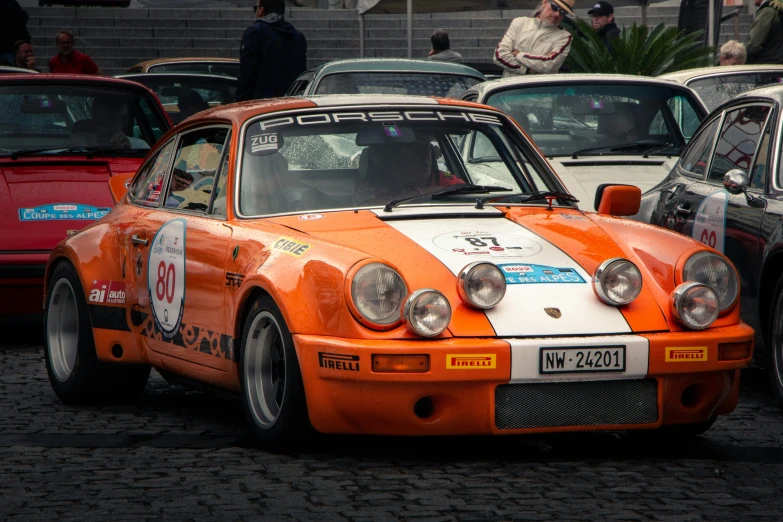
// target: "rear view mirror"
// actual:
[[43, 105], [735, 181], [618, 200]]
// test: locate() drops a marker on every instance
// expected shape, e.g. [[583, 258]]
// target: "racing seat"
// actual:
[[376, 166], [83, 134]]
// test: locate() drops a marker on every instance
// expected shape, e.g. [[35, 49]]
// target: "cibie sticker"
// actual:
[[520, 274], [166, 276], [62, 211], [709, 225], [478, 243], [289, 246], [263, 144]]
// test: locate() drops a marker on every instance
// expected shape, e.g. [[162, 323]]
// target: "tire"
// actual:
[[774, 346], [75, 373], [272, 391]]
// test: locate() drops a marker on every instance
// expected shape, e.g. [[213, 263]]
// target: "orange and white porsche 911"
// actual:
[[345, 264]]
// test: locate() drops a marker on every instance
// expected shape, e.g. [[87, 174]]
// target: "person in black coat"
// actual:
[[13, 27], [602, 20], [272, 55]]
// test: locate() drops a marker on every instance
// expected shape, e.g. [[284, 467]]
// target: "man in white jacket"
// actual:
[[536, 45]]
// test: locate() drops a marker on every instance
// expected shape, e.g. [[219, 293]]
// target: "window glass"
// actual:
[[219, 196], [758, 176], [230, 69], [599, 118], [148, 184], [321, 161], [184, 95], [695, 157], [426, 84], [195, 165], [739, 137], [718, 89]]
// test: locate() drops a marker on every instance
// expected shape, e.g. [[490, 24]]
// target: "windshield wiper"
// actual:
[[528, 197], [453, 191], [625, 146], [653, 150], [89, 152]]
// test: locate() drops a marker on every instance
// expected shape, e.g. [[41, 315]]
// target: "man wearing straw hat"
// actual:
[[536, 45]]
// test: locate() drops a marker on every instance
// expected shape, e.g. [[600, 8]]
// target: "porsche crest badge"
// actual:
[[553, 312]]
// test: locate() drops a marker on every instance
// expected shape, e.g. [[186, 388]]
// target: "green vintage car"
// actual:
[[387, 76]]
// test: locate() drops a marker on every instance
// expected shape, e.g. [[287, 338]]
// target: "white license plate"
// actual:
[[582, 359]]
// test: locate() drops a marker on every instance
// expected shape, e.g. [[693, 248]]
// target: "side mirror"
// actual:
[[736, 181], [618, 200]]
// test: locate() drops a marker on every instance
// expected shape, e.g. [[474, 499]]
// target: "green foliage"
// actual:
[[638, 51]]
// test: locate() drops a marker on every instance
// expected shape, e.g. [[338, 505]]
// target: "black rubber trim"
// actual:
[[109, 317], [22, 271]]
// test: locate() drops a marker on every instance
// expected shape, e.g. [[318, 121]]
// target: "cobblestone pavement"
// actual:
[[183, 455]]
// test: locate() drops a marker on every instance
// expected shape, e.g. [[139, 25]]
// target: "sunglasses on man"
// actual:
[[256, 8], [557, 9]]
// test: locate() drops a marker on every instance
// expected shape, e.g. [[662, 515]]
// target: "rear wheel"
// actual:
[[75, 373], [775, 346], [273, 393]]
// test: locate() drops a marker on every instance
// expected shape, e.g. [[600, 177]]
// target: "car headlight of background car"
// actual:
[[714, 271], [617, 282], [377, 293]]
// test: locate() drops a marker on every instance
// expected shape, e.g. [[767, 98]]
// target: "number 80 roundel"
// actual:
[[166, 276]]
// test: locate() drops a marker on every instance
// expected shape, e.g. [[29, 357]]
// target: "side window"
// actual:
[[195, 165], [695, 157], [758, 175], [149, 181], [300, 88], [739, 138], [153, 121], [219, 192]]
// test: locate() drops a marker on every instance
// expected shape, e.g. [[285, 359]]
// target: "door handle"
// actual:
[[682, 210], [136, 240]]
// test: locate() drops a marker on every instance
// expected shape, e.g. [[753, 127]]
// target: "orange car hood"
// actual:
[[548, 258]]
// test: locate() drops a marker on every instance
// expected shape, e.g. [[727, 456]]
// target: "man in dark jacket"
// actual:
[[272, 55], [765, 41], [602, 20], [13, 27]]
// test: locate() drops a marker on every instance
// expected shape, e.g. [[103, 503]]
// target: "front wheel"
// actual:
[[273, 393], [774, 361]]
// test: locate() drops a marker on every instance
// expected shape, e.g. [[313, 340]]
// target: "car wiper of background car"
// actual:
[[653, 150], [625, 146], [453, 191], [89, 152], [528, 197]]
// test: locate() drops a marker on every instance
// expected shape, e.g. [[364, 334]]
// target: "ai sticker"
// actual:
[[166, 276]]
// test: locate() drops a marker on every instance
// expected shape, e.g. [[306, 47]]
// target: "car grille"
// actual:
[[589, 403]]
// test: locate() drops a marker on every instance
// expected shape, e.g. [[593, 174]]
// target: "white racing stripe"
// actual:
[[526, 356], [540, 276]]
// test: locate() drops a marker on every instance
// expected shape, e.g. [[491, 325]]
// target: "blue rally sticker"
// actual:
[[62, 211], [525, 274]]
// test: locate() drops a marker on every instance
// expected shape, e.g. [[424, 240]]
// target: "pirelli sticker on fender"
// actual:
[[471, 361], [338, 361], [686, 354], [289, 246]]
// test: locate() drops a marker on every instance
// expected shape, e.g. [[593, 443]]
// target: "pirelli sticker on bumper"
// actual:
[[469, 361], [686, 354]]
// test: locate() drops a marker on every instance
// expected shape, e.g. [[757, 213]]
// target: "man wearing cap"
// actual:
[[602, 20], [536, 45]]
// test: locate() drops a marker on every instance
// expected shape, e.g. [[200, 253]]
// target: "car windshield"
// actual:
[[230, 69], [425, 84], [317, 161], [183, 95], [564, 119], [56, 116], [718, 89]]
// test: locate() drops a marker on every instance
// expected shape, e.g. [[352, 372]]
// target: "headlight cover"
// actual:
[[378, 291], [426, 312], [482, 285], [695, 305], [714, 271], [617, 281]]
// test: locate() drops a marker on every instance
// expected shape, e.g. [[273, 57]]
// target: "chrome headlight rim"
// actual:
[[599, 278], [695, 257], [353, 276], [679, 294], [408, 308], [464, 277]]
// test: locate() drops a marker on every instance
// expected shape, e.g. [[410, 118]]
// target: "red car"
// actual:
[[68, 144]]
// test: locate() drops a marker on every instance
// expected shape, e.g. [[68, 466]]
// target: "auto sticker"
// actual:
[[709, 225], [111, 292], [61, 211], [166, 276], [486, 243], [521, 274]]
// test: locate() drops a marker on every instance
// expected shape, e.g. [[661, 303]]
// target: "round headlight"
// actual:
[[481, 285], [377, 291], [617, 282], [695, 305], [426, 312], [714, 271]]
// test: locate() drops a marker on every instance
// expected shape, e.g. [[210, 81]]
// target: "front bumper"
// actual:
[[21, 283], [504, 395]]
